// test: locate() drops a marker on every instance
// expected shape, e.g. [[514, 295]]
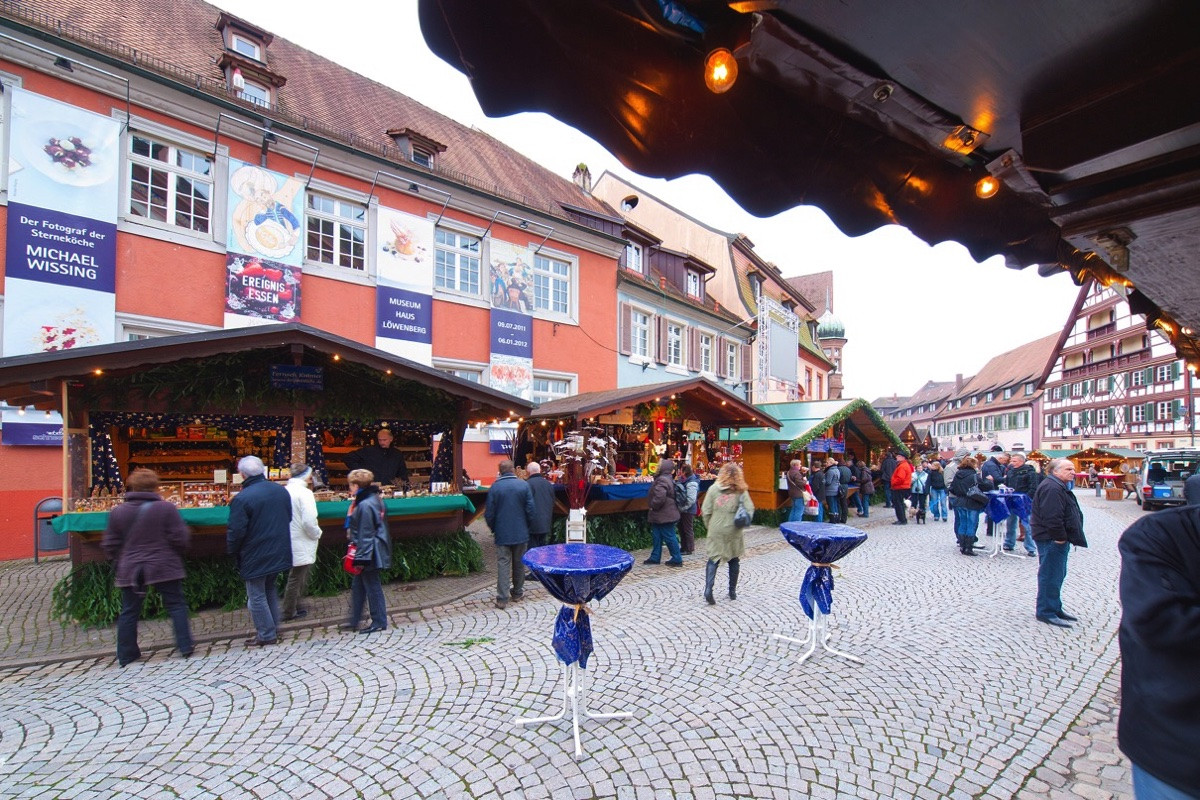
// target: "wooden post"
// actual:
[[461, 418], [299, 439]]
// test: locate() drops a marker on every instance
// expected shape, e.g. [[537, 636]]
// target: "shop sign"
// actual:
[[33, 429], [837, 446], [818, 445], [622, 417], [691, 425], [285, 376]]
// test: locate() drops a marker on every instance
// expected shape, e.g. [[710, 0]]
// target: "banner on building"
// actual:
[[404, 291], [510, 277], [32, 429], [60, 253], [260, 292], [512, 353]]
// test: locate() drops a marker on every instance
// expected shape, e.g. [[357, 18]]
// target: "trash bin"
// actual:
[[45, 538]]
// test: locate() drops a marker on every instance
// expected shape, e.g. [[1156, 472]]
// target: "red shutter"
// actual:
[[747, 363], [720, 355], [624, 328], [661, 355], [693, 356]]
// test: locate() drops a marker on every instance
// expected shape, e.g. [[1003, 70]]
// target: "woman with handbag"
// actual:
[[727, 510], [968, 490], [146, 539], [366, 528]]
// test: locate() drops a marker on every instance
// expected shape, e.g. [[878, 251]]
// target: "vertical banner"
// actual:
[[404, 285], [265, 245], [61, 248], [512, 353], [509, 277]]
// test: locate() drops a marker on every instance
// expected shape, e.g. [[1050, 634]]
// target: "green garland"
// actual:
[[816, 431], [87, 595]]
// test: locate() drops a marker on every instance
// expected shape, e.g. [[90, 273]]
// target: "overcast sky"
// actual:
[[912, 312]]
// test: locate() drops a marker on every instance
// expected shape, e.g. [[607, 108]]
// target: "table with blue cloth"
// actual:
[[1001, 505], [822, 543], [575, 574]]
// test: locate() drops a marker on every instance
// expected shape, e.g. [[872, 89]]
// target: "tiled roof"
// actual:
[[815, 288], [933, 392], [328, 97], [1014, 368]]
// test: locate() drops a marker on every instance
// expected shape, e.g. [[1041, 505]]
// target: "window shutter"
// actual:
[[693, 354], [660, 354], [625, 328], [1178, 403], [1149, 412], [720, 355], [1174, 370], [1148, 376], [1112, 383], [1112, 416], [1087, 388], [747, 363], [1085, 418]]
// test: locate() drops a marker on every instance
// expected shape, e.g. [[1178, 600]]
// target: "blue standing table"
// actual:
[[575, 574], [822, 543], [1001, 505]]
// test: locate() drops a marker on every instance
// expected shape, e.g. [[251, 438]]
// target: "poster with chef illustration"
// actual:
[[259, 291], [60, 247], [265, 213], [511, 368]]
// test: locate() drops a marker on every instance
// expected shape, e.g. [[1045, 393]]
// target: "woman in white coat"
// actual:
[[306, 533]]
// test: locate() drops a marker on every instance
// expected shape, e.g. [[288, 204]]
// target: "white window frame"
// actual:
[[1138, 412], [635, 258], [676, 344], [422, 157], [176, 141], [732, 362], [146, 327], [481, 256], [458, 368], [9, 79], [324, 268], [1008, 393], [236, 38], [539, 272], [1137, 378], [570, 381], [1162, 373], [705, 356], [1029, 389], [693, 283], [257, 93], [1102, 418], [641, 335], [1164, 411], [1077, 389]]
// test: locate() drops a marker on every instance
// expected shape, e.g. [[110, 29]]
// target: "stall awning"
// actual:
[[800, 423], [1048, 454], [1107, 452], [700, 398], [34, 379]]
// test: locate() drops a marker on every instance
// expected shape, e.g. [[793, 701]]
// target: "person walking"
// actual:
[[259, 537], [510, 513], [967, 504], [948, 473], [796, 483], [663, 516], [833, 488], [937, 492], [366, 526], [886, 468], [866, 489], [687, 517], [1057, 524], [816, 483], [146, 540], [306, 534], [1023, 478], [543, 508], [901, 483], [725, 540]]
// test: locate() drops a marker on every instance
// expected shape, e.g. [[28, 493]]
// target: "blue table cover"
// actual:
[[1001, 504], [822, 543], [575, 574]]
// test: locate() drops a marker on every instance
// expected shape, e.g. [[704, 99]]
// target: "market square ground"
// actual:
[[963, 694]]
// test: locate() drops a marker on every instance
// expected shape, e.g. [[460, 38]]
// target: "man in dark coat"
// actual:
[[1023, 478], [1057, 524], [543, 507], [886, 468], [510, 514], [663, 516], [816, 481], [259, 537], [1159, 726], [384, 461], [995, 469]]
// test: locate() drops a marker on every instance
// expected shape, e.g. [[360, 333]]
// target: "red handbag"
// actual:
[[348, 561]]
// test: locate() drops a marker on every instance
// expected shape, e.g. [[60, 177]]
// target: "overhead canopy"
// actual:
[[800, 423], [241, 358], [1108, 453], [1086, 112], [1046, 455], [698, 397]]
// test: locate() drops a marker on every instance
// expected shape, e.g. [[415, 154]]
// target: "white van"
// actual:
[[1160, 483]]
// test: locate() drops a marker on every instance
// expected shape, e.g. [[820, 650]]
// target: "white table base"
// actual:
[[818, 632], [574, 692]]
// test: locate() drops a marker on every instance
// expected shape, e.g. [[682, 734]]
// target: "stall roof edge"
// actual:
[[610, 400]]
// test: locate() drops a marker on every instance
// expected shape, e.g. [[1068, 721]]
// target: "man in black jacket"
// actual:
[[384, 461], [1023, 478], [543, 508], [259, 537], [1057, 524], [1159, 727], [886, 469]]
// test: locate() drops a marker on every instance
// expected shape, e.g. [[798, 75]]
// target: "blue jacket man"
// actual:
[[509, 513], [259, 537]]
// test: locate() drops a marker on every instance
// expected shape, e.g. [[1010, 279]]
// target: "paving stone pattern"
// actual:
[[962, 694]]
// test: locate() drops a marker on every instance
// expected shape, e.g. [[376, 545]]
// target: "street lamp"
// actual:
[[1191, 411]]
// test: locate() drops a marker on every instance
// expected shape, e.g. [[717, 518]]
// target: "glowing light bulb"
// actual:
[[987, 187], [720, 71]]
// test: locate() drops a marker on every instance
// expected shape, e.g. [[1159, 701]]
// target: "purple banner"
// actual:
[[54, 247], [512, 334], [401, 314], [35, 434]]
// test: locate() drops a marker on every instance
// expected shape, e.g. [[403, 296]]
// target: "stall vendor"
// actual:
[[384, 461]]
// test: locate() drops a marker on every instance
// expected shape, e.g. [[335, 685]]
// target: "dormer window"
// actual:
[[255, 93], [755, 286], [633, 257], [245, 46], [416, 147], [693, 284], [244, 61], [422, 157]]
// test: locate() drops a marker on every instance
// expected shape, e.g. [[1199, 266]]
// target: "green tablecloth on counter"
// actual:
[[83, 521]]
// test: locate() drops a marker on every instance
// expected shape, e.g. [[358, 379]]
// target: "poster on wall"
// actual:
[[510, 278], [404, 323], [511, 367], [60, 250], [265, 210], [260, 292], [404, 286]]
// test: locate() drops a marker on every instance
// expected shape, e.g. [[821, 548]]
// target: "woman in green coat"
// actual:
[[725, 540]]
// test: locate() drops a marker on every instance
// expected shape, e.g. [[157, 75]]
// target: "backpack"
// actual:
[[681, 498]]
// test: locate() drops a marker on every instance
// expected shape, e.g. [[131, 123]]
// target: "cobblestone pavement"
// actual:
[[962, 694]]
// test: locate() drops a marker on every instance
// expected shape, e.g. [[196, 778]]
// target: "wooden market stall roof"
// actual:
[[1107, 453], [703, 399], [803, 422], [34, 379]]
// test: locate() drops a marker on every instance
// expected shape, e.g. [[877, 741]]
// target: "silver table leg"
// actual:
[[574, 694]]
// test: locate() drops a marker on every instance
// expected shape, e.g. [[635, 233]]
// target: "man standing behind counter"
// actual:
[[382, 460]]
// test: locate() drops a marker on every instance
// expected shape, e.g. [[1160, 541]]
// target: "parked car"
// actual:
[[1160, 483]]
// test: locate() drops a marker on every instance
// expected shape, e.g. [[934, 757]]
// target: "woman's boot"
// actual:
[[710, 577], [734, 568]]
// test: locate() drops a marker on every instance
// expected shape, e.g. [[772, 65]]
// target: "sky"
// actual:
[[912, 312]]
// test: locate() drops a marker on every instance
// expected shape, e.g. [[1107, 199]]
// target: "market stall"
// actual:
[[1118, 468], [639, 426], [811, 431], [190, 406]]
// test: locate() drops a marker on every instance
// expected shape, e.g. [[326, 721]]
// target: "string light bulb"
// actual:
[[986, 187], [720, 71]]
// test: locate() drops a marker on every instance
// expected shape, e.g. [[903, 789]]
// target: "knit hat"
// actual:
[[301, 470], [961, 453]]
